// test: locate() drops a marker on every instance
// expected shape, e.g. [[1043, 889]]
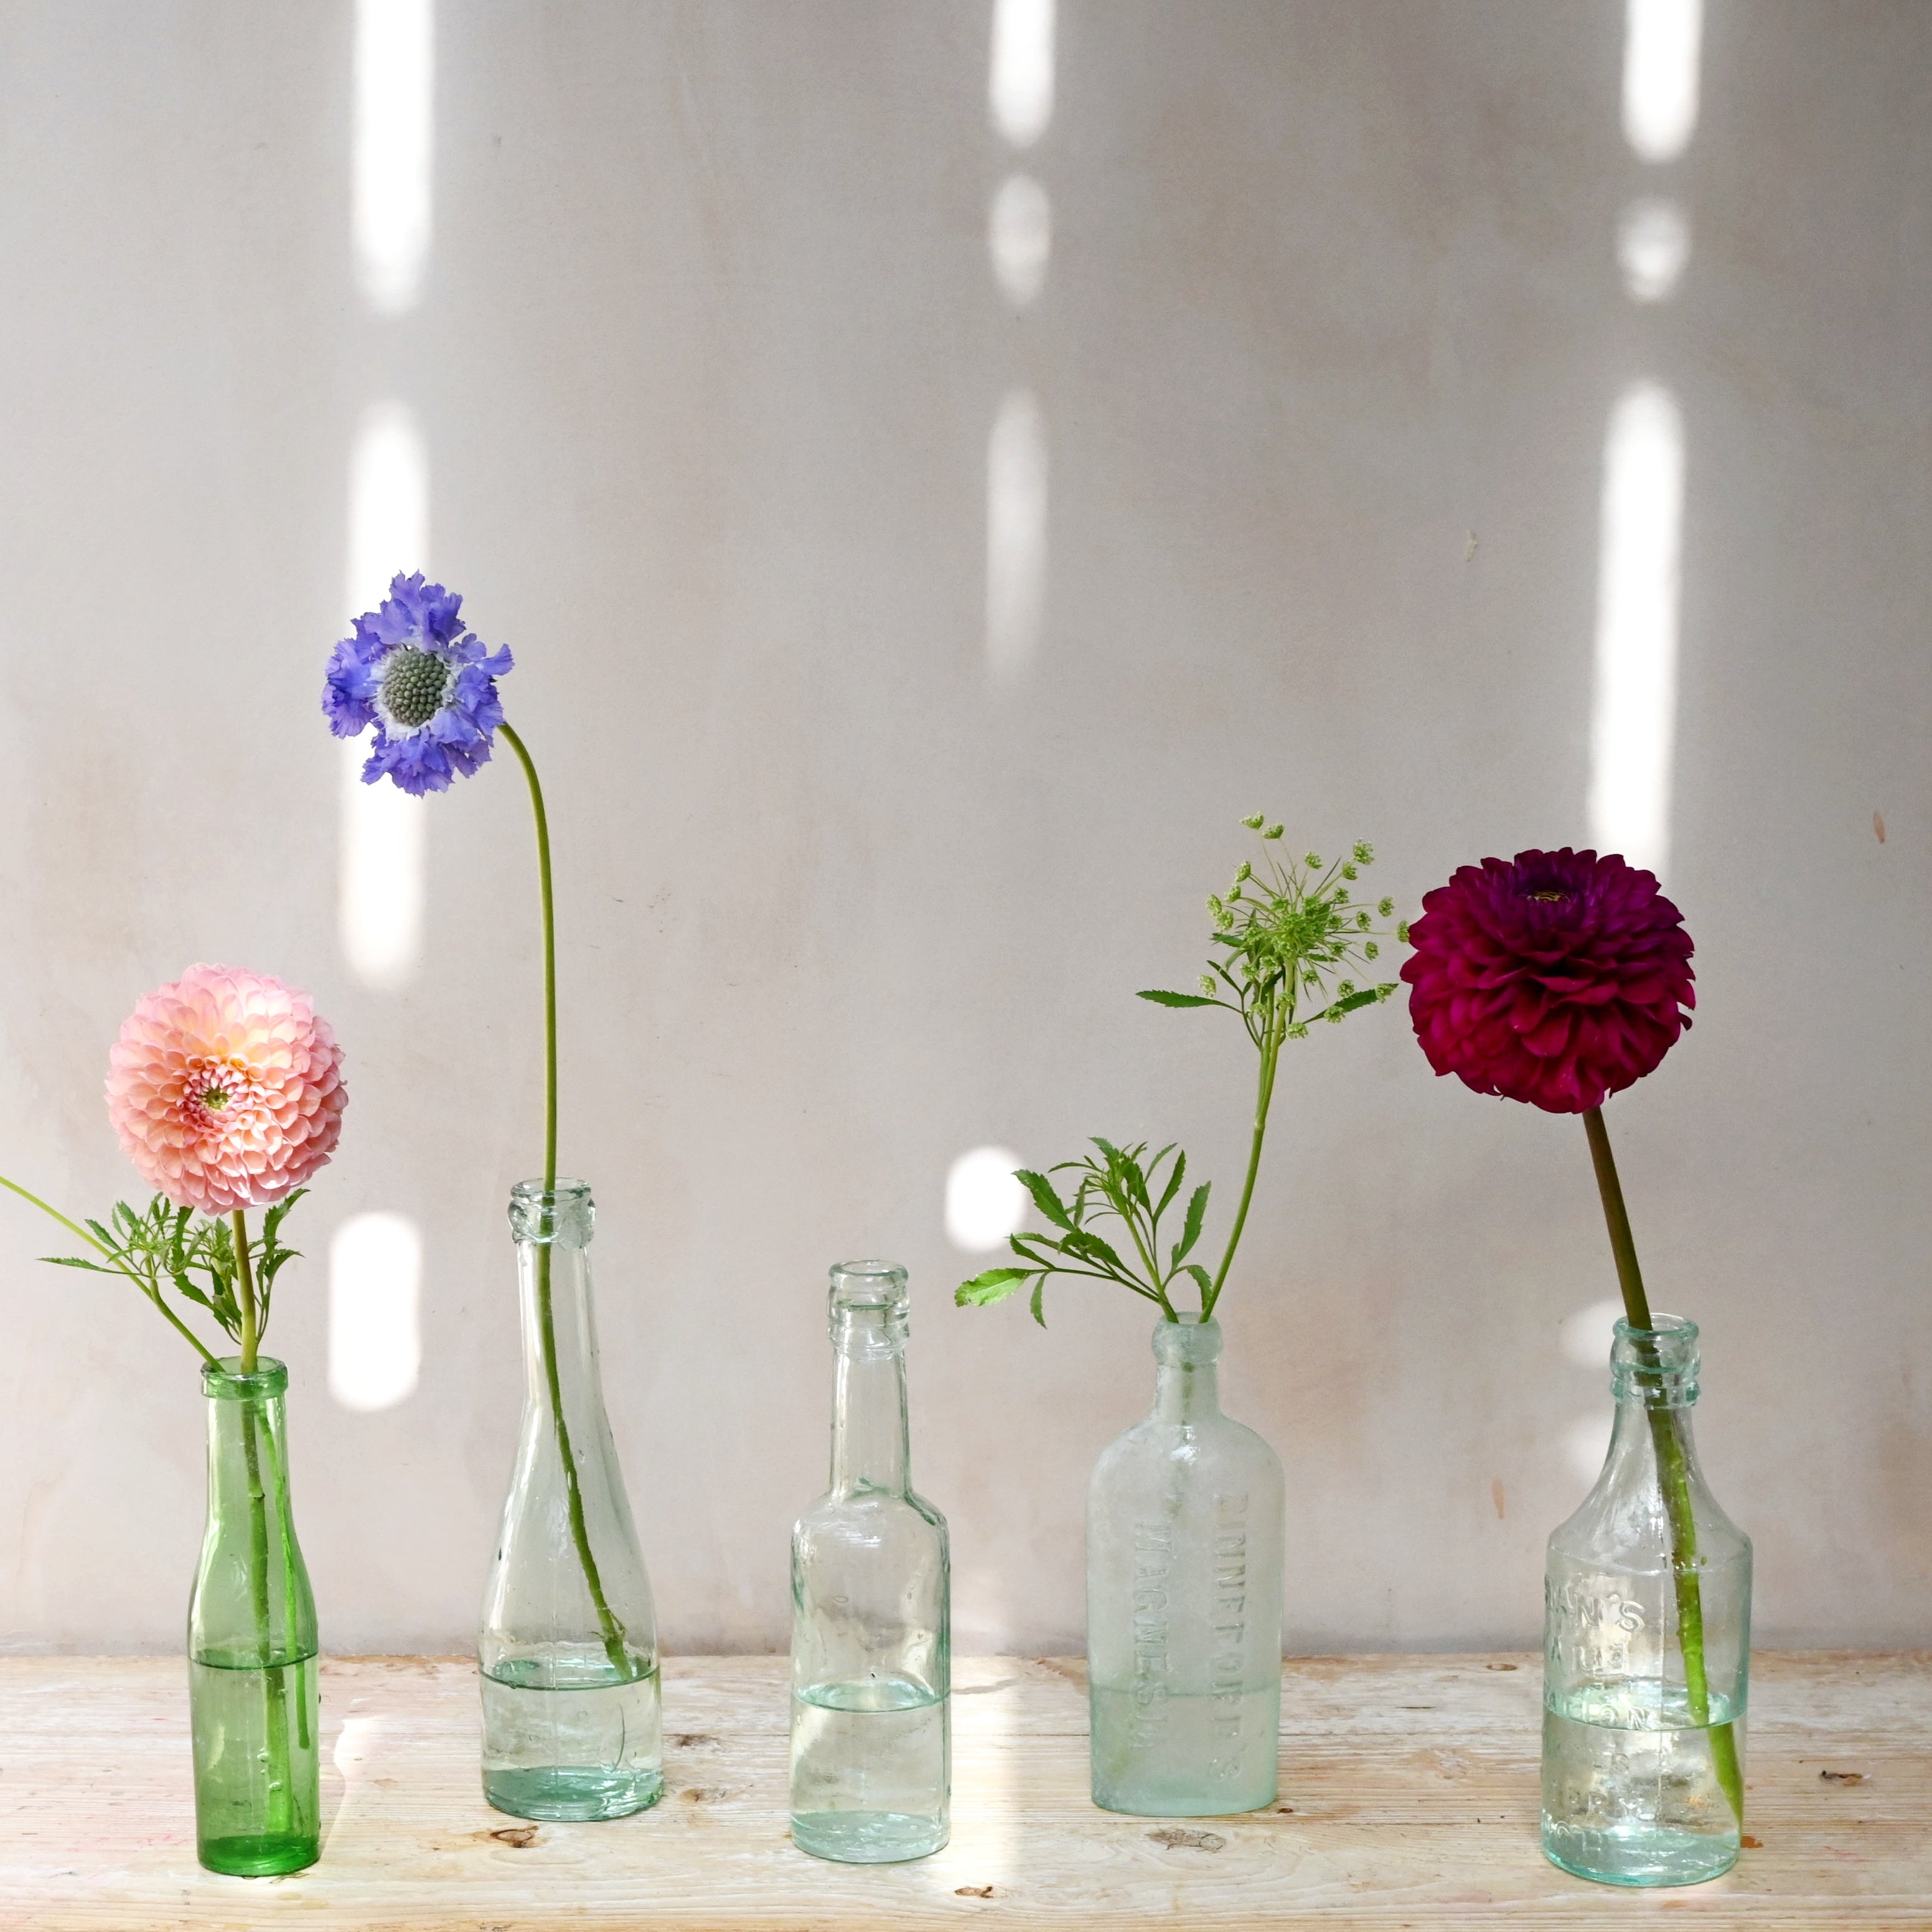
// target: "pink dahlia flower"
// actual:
[[225, 1089], [1559, 978]]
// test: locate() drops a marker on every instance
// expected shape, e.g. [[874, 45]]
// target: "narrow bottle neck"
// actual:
[[247, 1433], [1187, 1375], [870, 1444], [549, 1273], [1187, 1391]]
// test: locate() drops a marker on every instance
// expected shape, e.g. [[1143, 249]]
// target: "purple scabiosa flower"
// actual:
[[412, 670]]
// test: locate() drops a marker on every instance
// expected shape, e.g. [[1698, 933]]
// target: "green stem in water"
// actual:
[[1673, 1471], [614, 1645], [1271, 1042]]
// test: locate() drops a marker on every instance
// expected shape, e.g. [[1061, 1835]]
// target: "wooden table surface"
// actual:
[[1408, 1799]]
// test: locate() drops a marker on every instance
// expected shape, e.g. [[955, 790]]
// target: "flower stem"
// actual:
[[244, 1294], [1673, 1471], [612, 1631], [1263, 1099]]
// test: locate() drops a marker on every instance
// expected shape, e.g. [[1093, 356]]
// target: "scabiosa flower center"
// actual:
[[415, 685]]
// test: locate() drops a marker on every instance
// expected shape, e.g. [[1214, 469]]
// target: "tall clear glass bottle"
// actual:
[[871, 1764], [1184, 1536], [1646, 1661], [251, 1642], [568, 1650]]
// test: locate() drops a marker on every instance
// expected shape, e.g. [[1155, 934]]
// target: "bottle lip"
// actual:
[[1659, 1363], [1191, 1340], [222, 1380], [533, 1193], [868, 1284], [563, 1214]]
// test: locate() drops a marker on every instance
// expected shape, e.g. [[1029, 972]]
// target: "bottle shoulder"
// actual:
[[862, 1513], [1623, 1526], [1213, 1448]]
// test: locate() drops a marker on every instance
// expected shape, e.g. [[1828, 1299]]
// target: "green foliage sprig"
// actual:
[[165, 1247], [1288, 936]]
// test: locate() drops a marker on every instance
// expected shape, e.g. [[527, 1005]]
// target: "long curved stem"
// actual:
[[614, 1646], [1673, 1471], [1271, 1042]]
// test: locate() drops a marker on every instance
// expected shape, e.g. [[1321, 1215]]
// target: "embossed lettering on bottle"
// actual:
[[1227, 1666], [1154, 1565]]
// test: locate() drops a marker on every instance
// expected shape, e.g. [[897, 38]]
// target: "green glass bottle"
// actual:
[[251, 1642]]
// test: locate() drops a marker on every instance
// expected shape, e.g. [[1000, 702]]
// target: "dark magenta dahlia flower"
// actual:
[[1559, 978]]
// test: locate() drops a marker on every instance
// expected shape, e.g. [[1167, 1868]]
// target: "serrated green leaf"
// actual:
[[1044, 1197], [1190, 1232], [1173, 1186], [74, 1261], [1367, 997], [1201, 1277], [1089, 1246], [1162, 999], [1040, 1301], [983, 1291]]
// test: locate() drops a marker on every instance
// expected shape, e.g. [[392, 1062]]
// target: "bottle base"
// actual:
[[867, 1837], [1168, 1804], [1642, 1855], [565, 1794], [260, 1855]]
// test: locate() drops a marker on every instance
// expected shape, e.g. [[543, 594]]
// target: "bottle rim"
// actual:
[[222, 1380]]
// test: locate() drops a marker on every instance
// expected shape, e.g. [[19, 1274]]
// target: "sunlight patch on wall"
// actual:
[[375, 1292], [1019, 235], [1662, 43], [1632, 716], [392, 151], [1584, 1335], [1015, 533], [1020, 88], [984, 1203], [379, 883], [1653, 244]]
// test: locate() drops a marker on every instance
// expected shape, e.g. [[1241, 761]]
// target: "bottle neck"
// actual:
[[247, 1463], [1654, 1375], [551, 1275], [870, 1440], [1187, 1375], [553, 1229]]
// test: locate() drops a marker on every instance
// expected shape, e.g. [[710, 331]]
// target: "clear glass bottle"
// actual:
[[871, 1745], [1183, 1599], [1646, 1662], [568, 1651], [251, 1642]]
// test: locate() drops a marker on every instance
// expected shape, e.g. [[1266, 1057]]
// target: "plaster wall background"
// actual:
[[705, 364]]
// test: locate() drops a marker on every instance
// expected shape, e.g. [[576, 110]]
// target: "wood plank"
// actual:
[[1409, 1800]]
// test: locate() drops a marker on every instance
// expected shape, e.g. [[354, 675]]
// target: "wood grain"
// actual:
[[1409, 1800]]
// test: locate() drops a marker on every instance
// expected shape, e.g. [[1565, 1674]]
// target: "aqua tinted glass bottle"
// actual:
[[251, 1642], [1184, 1541], [872, 1606], [1646, 1660], [568, 1650]]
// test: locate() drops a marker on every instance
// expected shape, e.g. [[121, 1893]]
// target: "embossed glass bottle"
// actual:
[[872, 1767], [1183, 1599], [1645, 1663], [568, 1650], [251, 1642]]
